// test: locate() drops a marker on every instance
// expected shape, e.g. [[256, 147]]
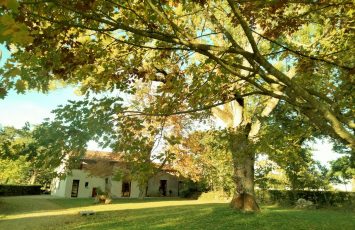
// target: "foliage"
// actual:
[[287, 143], [202, 53], [214, 196], [303, 172], [30, 153], [269, 175], [320, 198], [15, 171], [342, 170], [204, 158]]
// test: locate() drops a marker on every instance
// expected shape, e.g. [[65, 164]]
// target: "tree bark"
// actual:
[[243, 159], [33, 177], [143, 189]]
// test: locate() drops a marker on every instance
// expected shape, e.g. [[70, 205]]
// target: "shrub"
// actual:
[[19, 190], [214, 196], [319, 198], [191, 193]]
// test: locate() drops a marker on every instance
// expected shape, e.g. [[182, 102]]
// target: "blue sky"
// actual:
[[33, 107]]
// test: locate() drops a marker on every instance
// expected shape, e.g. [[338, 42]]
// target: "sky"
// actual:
[[34, 107]]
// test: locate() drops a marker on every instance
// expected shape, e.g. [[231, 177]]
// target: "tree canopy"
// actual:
[[205, 53], [192, 57]]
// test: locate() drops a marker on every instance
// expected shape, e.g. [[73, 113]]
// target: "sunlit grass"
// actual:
[[73, 206], [46, 213]]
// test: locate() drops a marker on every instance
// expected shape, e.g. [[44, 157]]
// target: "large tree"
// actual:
[[200, 54]]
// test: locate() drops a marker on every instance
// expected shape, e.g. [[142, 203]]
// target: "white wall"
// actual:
[[58, 187], [63, 188], [116, 188], [82, 176], [134, 189], [154, 184], [65, 185]]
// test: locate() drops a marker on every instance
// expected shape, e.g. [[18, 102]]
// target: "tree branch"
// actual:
[[244, 25], [301, 54]]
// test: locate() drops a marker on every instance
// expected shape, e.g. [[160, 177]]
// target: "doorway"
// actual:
[[126, 189], [94, 192], [75, 188], [163, 187]]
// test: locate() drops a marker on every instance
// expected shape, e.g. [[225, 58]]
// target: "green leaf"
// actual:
[[13, 5], [20, 86]]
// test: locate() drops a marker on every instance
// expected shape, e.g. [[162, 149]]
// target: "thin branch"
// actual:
[[129, 9], [162, 14], [145, 46], [204, 108], [162, 126], [301, 54], [244, 25], [132, 112]]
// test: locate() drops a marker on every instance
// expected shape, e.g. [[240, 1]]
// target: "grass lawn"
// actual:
[[38, 212]]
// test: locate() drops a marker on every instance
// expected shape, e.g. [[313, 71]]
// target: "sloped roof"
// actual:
[[102, 155], [118, 159]]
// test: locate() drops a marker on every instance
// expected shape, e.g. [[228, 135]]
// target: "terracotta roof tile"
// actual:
[[101, 155]]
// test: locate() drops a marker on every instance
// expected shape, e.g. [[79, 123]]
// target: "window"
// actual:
[[106, 181], [86, 184]]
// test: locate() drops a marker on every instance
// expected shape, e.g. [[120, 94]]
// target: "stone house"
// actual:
[[79, 182]]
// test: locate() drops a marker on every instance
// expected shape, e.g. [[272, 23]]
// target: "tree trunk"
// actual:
[[242, 138], [33, 177], [108, 187], [142, 189], [243, 159]]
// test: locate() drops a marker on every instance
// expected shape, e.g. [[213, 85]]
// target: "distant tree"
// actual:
[[36, 148], [287, 143], [268, 174], [15, 171], [342, 170]]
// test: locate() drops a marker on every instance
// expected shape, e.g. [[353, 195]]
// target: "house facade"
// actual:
[[81, 183]]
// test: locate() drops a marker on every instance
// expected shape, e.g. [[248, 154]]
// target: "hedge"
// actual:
[[320, 198], [19, 190]]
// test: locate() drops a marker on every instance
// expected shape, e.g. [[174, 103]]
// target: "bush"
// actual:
[[19, 190], [304, 204], [214, 196], [191, 193], [319, 198]]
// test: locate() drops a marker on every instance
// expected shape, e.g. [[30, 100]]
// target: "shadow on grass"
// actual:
[[35, 204], [25, 205], [197, 216], [15, 209]]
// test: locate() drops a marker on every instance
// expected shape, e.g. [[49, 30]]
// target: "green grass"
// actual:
[[49, 213]]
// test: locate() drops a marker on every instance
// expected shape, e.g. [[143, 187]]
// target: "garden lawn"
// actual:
[[45, 212]]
